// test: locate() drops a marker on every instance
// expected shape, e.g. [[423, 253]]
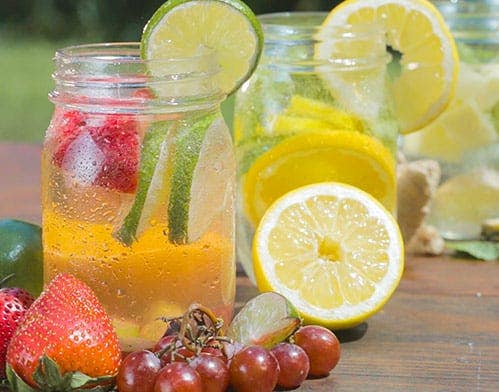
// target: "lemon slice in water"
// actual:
[[428, 63], [307, 158]]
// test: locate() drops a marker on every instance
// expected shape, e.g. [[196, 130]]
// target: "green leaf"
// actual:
[[51, 376], [81, 380], [17, 384], [48, 378], [483, 250]]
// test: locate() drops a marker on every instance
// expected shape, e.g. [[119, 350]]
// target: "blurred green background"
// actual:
[[31, 30]]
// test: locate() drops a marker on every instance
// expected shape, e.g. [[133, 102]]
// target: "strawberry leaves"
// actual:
[[48, 378]]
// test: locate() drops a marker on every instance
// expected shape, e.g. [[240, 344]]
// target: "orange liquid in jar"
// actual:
[[139, 283]]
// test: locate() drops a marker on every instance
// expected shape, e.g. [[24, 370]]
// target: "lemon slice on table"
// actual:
[[429, 60], [332, 250], [319, 156], [180, 28]]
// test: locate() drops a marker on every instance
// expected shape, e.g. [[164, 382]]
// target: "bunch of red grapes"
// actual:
[[192, 356]]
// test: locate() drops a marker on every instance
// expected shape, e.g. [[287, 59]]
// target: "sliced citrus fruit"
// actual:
[[264, 320], [464, 201], [180, 28], [429, 62], [462, 127], [467, 123], [333, 250], [153, 187], [342, 156], [202, 162], [313, 109]]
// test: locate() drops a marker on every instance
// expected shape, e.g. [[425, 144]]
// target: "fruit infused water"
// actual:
[[138, 186], [464, 139], [317, 109]]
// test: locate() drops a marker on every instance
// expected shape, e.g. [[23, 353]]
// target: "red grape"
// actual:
[[213, 371], [254, 369], [178, 377], [179, 352], [138, 371], [294, 364], [164, 342], [322, 348], [215, 351], [231, 349]]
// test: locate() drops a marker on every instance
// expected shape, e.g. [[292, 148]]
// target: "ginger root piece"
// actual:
[[426, 241], [417, 182], [490, 230]]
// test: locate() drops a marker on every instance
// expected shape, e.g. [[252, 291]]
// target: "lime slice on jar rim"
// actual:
[[228, 28]]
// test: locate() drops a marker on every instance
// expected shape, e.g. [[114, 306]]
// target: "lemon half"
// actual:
[[332, 250]]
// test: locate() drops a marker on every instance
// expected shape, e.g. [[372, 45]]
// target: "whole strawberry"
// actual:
[[65, 342], [13, 305]]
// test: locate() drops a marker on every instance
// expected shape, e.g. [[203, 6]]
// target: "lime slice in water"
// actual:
[[184, 177], [265, 320], [203, 163], [153, 189], [179, 28]]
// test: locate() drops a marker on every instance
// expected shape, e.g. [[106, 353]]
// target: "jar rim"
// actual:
[[95, 74], [474, 21], [129, 53], [300, 34], [286, 24]]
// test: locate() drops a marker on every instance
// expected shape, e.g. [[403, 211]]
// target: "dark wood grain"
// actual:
[[439, 332]]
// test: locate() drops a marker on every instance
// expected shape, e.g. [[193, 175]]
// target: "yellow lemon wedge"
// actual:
[[304, 114], [333, 250], [462, 127], [429, 61], [317, 156]]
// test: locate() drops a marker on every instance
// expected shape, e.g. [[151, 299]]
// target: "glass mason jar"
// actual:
[[465, 137], [138, 185], [317, 109]]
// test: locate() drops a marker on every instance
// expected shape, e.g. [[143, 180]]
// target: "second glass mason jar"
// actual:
[[138, 186], [317, 109], [464, 139]]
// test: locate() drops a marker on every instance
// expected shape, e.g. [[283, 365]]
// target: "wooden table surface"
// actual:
[[439, 332]]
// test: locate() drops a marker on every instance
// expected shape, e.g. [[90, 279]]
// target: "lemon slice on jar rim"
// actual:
[[428, 64], [333, 250]]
